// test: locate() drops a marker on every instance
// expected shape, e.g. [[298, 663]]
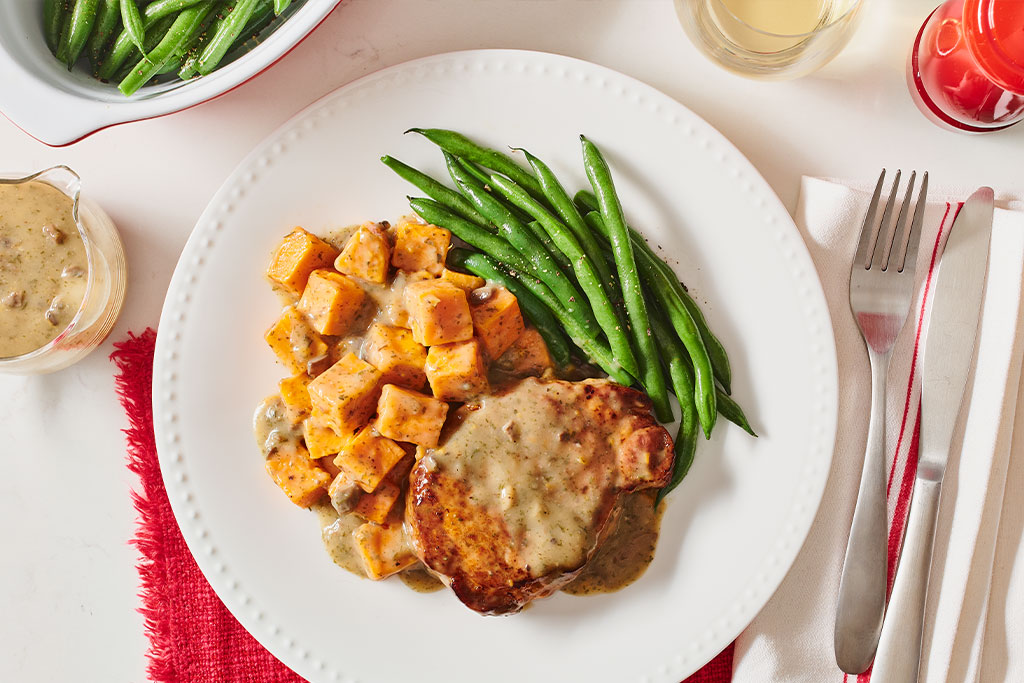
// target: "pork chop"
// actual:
[[525, 485]]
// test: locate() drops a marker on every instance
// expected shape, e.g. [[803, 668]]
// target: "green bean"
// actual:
[[684, 325], [681, 377], [537, 313], [184, 29], [122, 47], [731, 411], [281, 5], [719, 357], [225, 33], [54, 17], [563, 205], [471, 173], [519, 236], [632, 295], [132, 20], [261, 17], [583, 266], [107, 17], [76, 31], [469, 232], [538, 231], [191, 55], [443, 195], [461, 146], [596, 350]]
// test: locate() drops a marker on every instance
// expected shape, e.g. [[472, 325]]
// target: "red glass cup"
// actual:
[[966, 68]]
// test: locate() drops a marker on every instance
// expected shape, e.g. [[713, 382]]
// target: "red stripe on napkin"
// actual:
[[192, 636]]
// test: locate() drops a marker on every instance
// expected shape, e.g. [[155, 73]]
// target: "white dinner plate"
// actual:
[[731, 531]]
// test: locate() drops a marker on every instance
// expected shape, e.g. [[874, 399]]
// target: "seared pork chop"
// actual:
[[525, 485]]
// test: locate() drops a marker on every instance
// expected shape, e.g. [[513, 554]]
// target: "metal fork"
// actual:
[[881, 288]]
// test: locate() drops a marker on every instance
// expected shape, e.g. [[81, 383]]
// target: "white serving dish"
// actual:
[[60, 107]]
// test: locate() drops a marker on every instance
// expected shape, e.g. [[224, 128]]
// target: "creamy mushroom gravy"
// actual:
[[273, 428], [627, 552], [550, 464], [43, 266]]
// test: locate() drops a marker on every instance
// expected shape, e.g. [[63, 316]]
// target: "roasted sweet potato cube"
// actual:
[[346, 394], [294, 342], [456, 372], [298, 255], [367, 254], [527, 357], [398, 356], [420, 246], [410, 416], [302, 479], [438, 312], [328, 464], [463, 281], [331, 301], [321, 440], [374, 507], [295, 394], [496, 318], [368, 457], [383, 548]]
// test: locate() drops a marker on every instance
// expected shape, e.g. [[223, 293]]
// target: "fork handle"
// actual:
[[863, 583], [899, 651]]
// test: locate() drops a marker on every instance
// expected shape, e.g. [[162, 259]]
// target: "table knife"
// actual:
[[949, 347]]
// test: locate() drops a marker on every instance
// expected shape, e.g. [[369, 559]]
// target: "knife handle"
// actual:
[[899, 649]]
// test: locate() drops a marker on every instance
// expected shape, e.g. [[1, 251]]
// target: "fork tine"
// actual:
[[915, 226], [900, 231], [869, 224], [883, 228]]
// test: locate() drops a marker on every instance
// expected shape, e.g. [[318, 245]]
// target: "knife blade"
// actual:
[[953, 323]]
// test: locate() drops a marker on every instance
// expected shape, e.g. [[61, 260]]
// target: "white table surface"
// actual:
[[67, 572]]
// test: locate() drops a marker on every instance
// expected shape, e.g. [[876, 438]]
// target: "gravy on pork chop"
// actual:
[[526, 485]]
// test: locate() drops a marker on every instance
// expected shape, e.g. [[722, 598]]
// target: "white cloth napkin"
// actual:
[[976, 596]]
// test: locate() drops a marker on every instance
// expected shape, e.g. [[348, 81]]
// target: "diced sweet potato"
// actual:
[[463, 281], [383, 548], [368, 457], [346, 394], [438, 312], [331, 301], [398, 356], [294, 342], [298, 255], [456, 372], [420, 246], [302, 479], [295, 394], [410, 416], [321, 440], [496, 318], [527, 357], [374, 507], [328, 464], [367, 254]]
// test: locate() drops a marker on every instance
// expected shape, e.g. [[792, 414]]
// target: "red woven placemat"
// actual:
[[193, 638]]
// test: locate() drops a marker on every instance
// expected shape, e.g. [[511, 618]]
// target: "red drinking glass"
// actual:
[[966, 68]]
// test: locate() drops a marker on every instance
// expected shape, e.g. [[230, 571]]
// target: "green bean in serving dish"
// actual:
[[132, 43], [588, 282]]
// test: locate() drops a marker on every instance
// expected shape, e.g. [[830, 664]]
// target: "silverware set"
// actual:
[[881, 291]]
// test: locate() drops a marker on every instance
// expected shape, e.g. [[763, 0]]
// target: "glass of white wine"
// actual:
[[769, 39]]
